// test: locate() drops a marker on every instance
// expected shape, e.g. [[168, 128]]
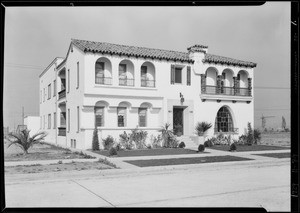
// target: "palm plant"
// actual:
[[167, 134], [24, 141], [202, 127], [256, 135]]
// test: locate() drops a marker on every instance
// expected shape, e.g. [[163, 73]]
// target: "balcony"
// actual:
[[228, 130], [61, 94], [103, 80], [147, 83], [225, 93], [126, 81], [61, 131]]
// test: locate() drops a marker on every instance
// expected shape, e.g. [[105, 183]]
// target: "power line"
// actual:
[[24, 65], [20, 67]]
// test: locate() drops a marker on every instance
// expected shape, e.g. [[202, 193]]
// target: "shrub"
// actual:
[[125, 141], [250, 138], [149, 146], [112, 151], [181, 145], [95, 143], [173, 142], [242, 139], [201, 148], [166, 134], [156, 141], [232, 147], [108, 142], [209, 143], [202, 127], [118, 147], [139, 137], [24, 141], [256, 135]]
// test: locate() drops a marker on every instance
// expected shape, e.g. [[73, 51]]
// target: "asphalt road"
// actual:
[[246, 184]]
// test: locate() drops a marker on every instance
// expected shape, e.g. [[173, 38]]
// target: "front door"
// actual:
[[178, 121]]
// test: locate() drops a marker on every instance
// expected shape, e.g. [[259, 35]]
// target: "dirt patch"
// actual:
[[38, 168], [276, 139], [41, 151]]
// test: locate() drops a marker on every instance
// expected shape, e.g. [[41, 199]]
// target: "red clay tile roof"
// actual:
[[209, 58], [103, 47]]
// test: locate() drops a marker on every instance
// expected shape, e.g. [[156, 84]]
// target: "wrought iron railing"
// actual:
[[103, 80], [62, 94], [214, 90], [61, 131], [126, 81], [227, 130], [147, 83]]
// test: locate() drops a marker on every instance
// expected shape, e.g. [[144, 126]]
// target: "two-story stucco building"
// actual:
[[118, 88]]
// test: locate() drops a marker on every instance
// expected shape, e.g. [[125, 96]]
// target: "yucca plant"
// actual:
[[202, 127], [24, 141], [167, 134]]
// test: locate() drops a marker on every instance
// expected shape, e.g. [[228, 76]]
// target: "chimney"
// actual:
[[197, 54]]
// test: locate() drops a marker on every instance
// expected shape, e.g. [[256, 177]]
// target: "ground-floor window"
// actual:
[[121, 116], [49, 121], [142, 117], [223, 121], [99, 116], [54, 120]]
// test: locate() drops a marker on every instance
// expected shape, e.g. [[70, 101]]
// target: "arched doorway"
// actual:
[[223, 121]]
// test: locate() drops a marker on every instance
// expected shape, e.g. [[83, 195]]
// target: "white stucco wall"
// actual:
[[33, 124]]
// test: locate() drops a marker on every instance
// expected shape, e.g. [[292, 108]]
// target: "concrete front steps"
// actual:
[[189, 142]]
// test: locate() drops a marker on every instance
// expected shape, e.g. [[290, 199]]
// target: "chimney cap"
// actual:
[[198, 48]]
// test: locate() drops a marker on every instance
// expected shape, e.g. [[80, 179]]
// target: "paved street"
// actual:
[[232, 184]]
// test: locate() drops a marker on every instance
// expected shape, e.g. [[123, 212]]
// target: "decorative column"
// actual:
[[249, 86], [203, 83], [234, 85], [219, 79]]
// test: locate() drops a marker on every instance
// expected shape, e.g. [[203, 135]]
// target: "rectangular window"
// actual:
[[74, 143], [44, 95], [142, 117], [121, 116], [78, 119], [54, 120], [99, 116], [178, 78], [188, 75], [71, 143], [63, 119], [68, 80], [49, 91], [49, 121], [99, 73], [68, 120], [77, 75], [54, 88]]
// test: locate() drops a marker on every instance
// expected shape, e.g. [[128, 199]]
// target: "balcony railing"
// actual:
[[103, 80], [227, 130], [61, 131], [214, 90], [126, 81], [147, 83], [62, 94]]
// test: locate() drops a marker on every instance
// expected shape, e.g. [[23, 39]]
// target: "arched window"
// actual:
[[103, 73], [223, 122]]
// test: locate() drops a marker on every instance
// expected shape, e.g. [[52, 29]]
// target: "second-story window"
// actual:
[[68, 80], [77, 75], [188, 75], [99, 73], [49, 91], [49, 121], [178, 76], [54, 88]]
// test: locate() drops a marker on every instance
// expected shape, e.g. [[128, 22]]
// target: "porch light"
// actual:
[[181, 98]]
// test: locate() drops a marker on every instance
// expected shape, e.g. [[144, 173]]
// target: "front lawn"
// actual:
[[150, 152], [246, 148], [180, 161], [57, 167], [40, 151], [276, 155]]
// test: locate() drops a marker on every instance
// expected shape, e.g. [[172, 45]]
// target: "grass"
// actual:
[[275, 155], [246, 148], [180, 161], [150, 152], [41, 151]]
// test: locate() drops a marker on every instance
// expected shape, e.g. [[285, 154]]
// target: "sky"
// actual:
[[34, 36]]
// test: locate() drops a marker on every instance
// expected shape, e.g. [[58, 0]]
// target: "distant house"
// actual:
[[32, 123], [21, 128], [118, 88]]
